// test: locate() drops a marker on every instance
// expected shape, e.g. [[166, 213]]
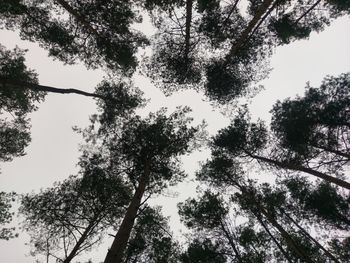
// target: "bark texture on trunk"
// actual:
[[116, 252]]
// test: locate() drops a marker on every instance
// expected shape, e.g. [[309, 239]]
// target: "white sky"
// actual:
[[53, 152]]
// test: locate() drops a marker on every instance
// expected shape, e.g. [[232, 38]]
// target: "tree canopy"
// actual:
[[273, 191]]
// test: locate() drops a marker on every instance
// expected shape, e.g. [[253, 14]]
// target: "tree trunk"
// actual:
[[290, 242], [242, 39], [285, 235], [307, 11], [78, 17], [189, 4], [115, 253], [293, 167], [5, 83], [80, 241], [342, 154], [274, 240], [229, 239], [311, 238]]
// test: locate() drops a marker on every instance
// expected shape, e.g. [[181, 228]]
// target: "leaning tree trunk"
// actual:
[[116, 252], [229, 239], [285, 235], [318, 244], [285, 254], [80, 241], [20, 85], [250, 27], [300, 168]]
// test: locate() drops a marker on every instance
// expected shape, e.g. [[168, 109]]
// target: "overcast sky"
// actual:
[[53, 152]]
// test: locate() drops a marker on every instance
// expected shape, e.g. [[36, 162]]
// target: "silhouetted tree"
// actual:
[[315, 128], [246, 140], [218, 47], [147, 152], [97, 32], [151, 239], [6, 215], [73, 216], [20, 93]]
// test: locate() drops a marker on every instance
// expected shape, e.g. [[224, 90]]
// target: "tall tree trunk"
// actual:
[[242, 39], [333, 258], [285, 235], [300, 168], [78, 17], [290, 242], [80, 241], [5, 83], [115, 253], [189, 4], [274, 239], [342, 154], [230, 241], [307, 11]]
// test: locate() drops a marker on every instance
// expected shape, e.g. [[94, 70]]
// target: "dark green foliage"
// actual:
[[96, 32], [158, 140], [121, 100], [287, 30], [151, 240], [162, 4], [223, 82], [14, 137], [202, 251], [16, 101], [316, 125], [170, 64], [207, 213], [207, 5], [15, 104], [341, 248], [74, 214], [322, 201], [6, 215], [338, 7], [242, 138]]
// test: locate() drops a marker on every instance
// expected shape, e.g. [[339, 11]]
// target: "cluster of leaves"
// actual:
[[15, 104], [218, 47], [6, 215], [295, 218], [72, 216]]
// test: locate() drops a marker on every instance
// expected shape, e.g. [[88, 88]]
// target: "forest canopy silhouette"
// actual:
[[221, 49]]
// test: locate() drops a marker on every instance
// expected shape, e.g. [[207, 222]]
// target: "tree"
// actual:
[[273, 210], [246, 140], [73, 216], [147, 152], [98, 33], [151, 239], [202, 252], [20, 93], [315, 126], [15, 104], [6, 215], [217, 47]]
